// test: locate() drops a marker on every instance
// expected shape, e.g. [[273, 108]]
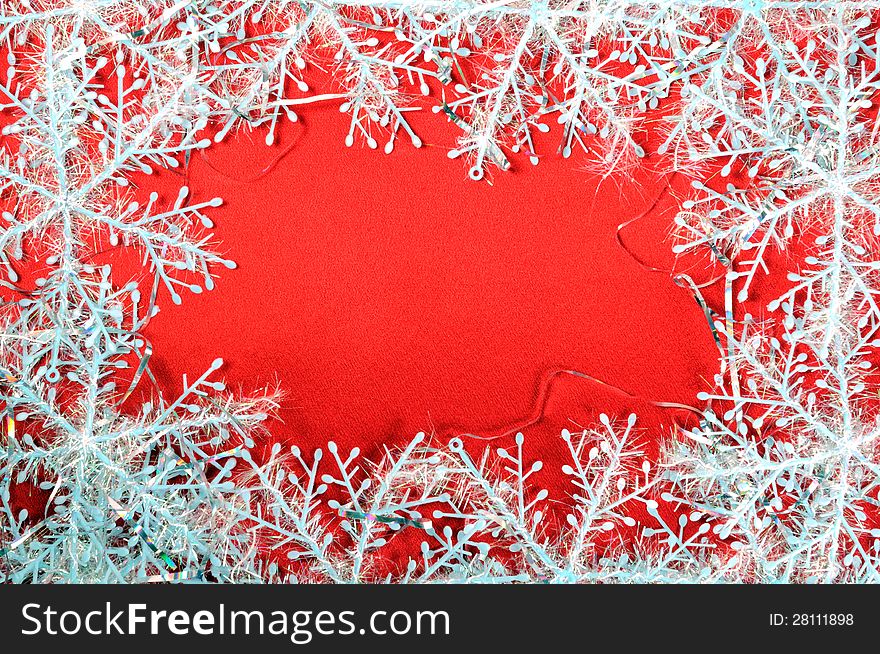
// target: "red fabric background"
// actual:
[[388, 294]]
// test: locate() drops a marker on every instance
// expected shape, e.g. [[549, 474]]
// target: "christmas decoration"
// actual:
[[769, 106]]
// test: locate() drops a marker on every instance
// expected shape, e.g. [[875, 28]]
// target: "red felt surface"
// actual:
[[389, 294]]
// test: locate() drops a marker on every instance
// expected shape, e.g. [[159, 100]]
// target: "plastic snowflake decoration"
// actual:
[[790, 467], [775, 98]]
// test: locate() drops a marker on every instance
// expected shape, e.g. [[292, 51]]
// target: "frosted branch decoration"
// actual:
[[769, 107]]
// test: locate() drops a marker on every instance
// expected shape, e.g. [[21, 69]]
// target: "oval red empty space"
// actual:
[[389, 294]]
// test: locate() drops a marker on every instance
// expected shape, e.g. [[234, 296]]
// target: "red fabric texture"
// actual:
[[390, 294]]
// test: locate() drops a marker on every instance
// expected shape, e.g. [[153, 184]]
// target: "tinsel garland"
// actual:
[[779, 482]]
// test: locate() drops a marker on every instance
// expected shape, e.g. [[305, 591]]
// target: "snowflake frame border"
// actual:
[[797, 505]]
